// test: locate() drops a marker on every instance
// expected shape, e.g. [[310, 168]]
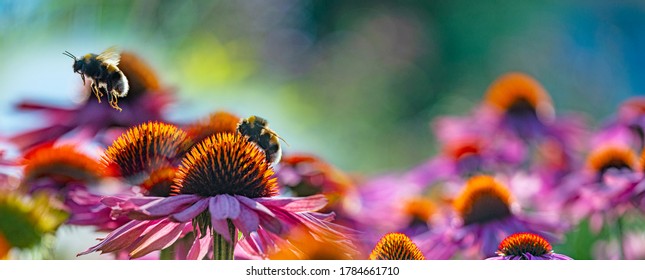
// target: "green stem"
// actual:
[[222, 249], [621, 241]]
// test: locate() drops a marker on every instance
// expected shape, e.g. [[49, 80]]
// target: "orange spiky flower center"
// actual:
[[396, 246], [63, 164], [517, 94], [218, 122], [420, 209], [519, 244], [160, 182], [604, 158], [483, 200], [144, 149], [226, 163]]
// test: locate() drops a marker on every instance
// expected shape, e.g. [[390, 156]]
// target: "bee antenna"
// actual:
[[70, 55]]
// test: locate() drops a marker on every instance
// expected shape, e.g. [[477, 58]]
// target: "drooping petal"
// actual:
[[220, 226], [224, 207], [190, 212], [248, 221], [255, 205], [200, 248], [300, 204], [119, 238], [162, 236], [164, 207]]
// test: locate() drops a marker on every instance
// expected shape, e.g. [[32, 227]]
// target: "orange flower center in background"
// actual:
[[160, 182], [519, 244], [396, 246], [141, 77], [64, 164], [518, 93], [218, 122], [420, 209], [143, 149], [604, 158], [482, 200], [226, 163]]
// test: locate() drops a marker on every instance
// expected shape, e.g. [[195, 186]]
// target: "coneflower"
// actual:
[[58, 167], [526, 246], [224, 186]]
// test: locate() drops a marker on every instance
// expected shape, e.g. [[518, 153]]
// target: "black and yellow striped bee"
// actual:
[[106, 77], [257, 130]]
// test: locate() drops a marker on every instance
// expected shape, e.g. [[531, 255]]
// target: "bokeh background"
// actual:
[[356, 82]]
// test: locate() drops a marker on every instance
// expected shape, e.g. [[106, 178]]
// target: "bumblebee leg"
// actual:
[[97, 91], [113, 100]]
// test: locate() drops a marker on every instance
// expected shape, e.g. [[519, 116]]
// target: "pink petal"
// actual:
[[224, 207], [190, 212], [221, 227], [164, 207], [248, 221], [162, 236], [301, 204], [271, 224], [200, 248], [255, 205], [119, 238]]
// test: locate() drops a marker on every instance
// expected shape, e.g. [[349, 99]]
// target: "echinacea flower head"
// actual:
[[396, 246], [482, 200], [526, 246], [144, 149], [611, 156], [226, 164], [56, 167], [224, 185], [520, 97], [485, 212], [303, 174], [217, 122], [604, 189], [24, 220], [146, 101]]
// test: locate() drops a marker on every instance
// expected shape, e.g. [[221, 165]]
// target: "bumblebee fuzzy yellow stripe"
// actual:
[[106, 76], [256, 129]]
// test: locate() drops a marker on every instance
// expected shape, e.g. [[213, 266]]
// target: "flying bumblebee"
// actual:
[[256, 129], [106, 77]]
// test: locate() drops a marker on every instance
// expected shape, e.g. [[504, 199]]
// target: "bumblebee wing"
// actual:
[[110, 56]]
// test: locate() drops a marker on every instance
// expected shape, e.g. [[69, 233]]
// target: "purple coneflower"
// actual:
[[144, 156], [486, 212], [224, 185], [302, 175], [56, 168], [526, 246]]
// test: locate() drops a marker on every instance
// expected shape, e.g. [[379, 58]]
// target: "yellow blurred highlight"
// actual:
[[211, 63]]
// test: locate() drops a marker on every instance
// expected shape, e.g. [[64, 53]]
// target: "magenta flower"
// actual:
[[144, 160], [485, 213], [224, 185], [526, 246]]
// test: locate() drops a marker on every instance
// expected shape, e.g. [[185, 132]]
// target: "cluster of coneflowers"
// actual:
[[511, 178]]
